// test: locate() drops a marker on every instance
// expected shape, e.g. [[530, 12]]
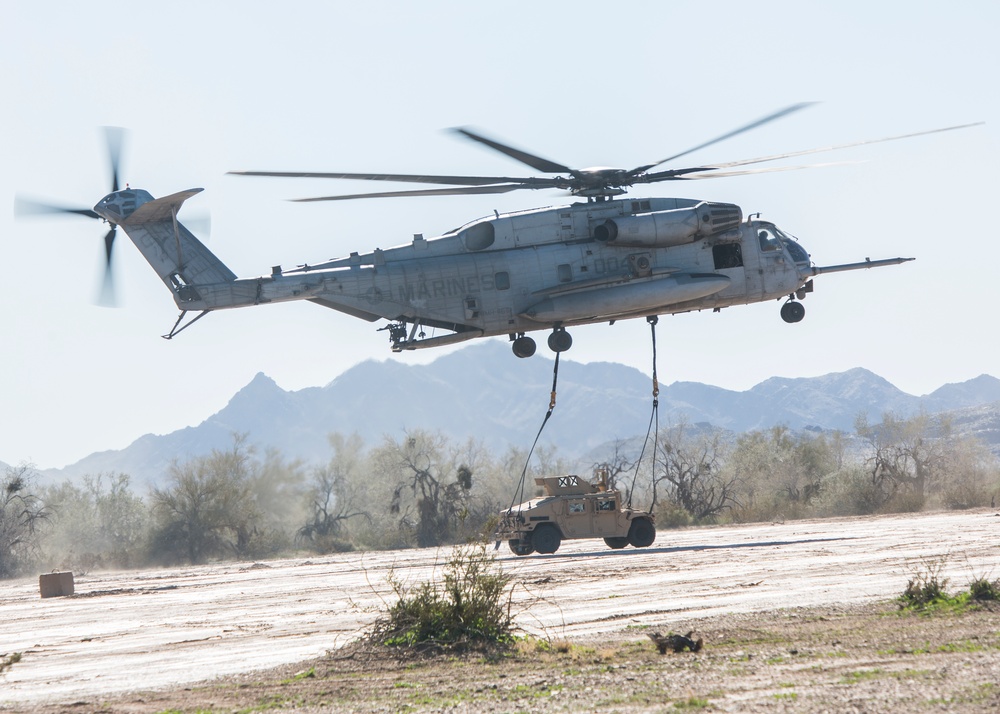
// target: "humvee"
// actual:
[[573, 508]]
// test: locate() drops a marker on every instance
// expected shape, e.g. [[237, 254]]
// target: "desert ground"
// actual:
[[792, 614]]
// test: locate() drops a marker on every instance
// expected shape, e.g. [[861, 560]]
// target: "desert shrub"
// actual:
[[670, 515], [849, 492], [470, 608], [324, 544], [985, 590], [100, 523], [971, 478], [926, 586], [225, 504], [9, 660], [756, 510], [905, 500]]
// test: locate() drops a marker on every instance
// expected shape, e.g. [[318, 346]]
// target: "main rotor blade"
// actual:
[[401, 178], [752, 125], [114, 135], [709, 172], [791, 154], [26, 207], [459, 191], [535, 162]]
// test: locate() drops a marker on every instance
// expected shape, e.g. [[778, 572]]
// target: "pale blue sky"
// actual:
[[209, 87]]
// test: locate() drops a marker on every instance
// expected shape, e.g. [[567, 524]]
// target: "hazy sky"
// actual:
[[368, 86]]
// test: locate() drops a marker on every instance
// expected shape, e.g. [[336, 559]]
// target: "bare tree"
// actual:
[[902, 456], [431, 492], [691, 474], [333, 495], [21, 514], [618, 469], [912, 460]]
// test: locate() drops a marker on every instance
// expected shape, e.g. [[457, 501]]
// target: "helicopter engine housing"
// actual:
[[669, 228]]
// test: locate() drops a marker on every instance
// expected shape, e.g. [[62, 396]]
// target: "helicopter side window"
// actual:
[[501, 280], [478, 237], [727, 255], [565, 273]]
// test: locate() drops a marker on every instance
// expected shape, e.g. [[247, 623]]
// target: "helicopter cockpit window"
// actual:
[[768, 240], [479, 236]]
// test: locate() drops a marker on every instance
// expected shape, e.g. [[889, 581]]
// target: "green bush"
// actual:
[[926, 586], [921, 592], [985, 590], [471, 608]]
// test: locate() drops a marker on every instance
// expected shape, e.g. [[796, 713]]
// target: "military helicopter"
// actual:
[[600, 259]]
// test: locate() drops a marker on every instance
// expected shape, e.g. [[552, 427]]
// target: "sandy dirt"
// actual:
[[168, 629]]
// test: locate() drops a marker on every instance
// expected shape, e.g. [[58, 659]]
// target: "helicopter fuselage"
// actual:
[[511, 273]]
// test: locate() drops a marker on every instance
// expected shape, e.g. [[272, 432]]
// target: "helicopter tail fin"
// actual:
[[181, 260]]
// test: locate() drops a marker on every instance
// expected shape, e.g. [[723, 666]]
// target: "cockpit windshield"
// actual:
[[771, 238]]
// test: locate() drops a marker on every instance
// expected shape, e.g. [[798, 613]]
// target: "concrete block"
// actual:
[[56, 584]]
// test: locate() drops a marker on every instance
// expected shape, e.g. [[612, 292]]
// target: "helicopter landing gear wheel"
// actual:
[[523, 347], [560, 340], [792, 311]]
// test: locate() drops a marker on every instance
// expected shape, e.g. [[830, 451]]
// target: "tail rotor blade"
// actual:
[[26, 207], [114, 137], [107, 297]]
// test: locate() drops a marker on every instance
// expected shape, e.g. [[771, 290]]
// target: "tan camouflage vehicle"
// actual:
[[573, 508]]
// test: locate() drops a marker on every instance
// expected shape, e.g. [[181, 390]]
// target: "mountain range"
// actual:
[[482, 392]]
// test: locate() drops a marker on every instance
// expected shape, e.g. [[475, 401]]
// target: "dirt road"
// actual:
[[148, 629]]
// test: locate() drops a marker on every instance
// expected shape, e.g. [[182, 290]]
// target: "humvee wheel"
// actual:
[[617, 543], [642, 533], [546, 539], [520, 547]]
